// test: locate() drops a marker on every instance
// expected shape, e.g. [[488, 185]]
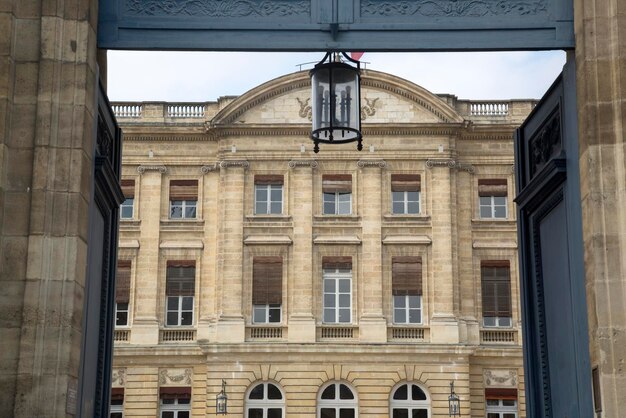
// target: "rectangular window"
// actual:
[[183, 199], [405, 194], [179, 292], [337, 290], [267, 289], [496, 293], [406, 289], [122, 292], [501, 402], [117, 403], [268, 194], [127, 207], [492, 198], [337, 194], [175, 402]]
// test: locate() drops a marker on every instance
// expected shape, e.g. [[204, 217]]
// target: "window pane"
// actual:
[[499, 200], [417, 394], [344, 197], [167, 401], [414, 302], [260, 208], [116, 415], [508, 402], [413, 196], [399, 316], [255, 413], [183, 414], [346, 413], [276, 195], [413, 208], [492, 402], [273, 392], [176, 212], [327, 413], [499, 212], [184, 401], [401, 393], [492, 415], [277, 208], [329, 197], [329, 301], [415, 316], [344, 285], [172, 303], [400, 413], [345, 392], [504, 322], [186, 318], [485, 212], [274, 413], [344, 301], [329, 392], [190, 212], [274, 315], [172, 318], [489, 321], [399, 301], [344, 208], [509, 415], [121, 318], [485, 201], [329, 315], [397, 197], [329, 208], [259, 314], [187, 303], [420, 413], [257, 392], [261, 194], [344, 315], [398, 207], [167, 414], [329, 286]]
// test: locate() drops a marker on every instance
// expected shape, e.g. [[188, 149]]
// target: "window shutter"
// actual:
[[492, 187], [496, 288], [128, 188], [183, 189], [181, 278], [175, 392], [122, 284], [117, 394], [267, 280], [342, 263], [276, 179], [406, 276], [341, 183], [501, 393], [405, 183]]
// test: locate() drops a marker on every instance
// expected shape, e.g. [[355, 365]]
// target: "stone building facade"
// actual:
[[355, 283]]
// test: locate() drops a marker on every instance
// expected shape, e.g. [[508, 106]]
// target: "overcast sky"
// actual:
[[205, 76]]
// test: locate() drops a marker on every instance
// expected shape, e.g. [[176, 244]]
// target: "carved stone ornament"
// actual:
[[369, 108], [218, 8], [500, 378], [465, 167], [118, 377], [303, 163], [205, 169], [441, 163], [454, 8], [234, 163], [371, 163], [305, 108], [174, 377], [160, 168]]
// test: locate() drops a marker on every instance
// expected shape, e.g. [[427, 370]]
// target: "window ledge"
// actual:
[[493, 220], [177, 223], [337, 218], [405, 217], [268, 218]]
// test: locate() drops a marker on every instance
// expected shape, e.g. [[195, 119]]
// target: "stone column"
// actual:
[[443, 325], [207, 277], [145, 317], [231, 326], [301, 319], [600, 27], [372, 324]]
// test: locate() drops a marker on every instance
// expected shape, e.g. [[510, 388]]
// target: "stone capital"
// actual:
[[160, 168], [371, 163], [302, 163], [235, 163], [207, 168]]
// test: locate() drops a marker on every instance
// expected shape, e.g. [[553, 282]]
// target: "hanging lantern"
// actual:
[[221, 401], [454, 403], [336, 101]]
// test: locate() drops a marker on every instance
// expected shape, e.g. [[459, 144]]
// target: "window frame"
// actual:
[[184, 205], [336, 275], [504, 264], [409, 404], [116, 409], [336, 203], [337, 403], [492, 207], [179, 310], [269, 201], [405, 203], [407, 309], [500, 409], [264, 403], [127, 311], [268, 307], [176, 407], [125, 205]]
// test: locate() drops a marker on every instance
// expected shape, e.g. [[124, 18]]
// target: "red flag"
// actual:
[[356, 55]]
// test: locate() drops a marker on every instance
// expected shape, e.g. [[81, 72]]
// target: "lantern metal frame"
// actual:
[[454, 403], [326, 134], [221, 401]]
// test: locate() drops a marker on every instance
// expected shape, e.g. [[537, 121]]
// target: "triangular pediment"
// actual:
[[384, 99]]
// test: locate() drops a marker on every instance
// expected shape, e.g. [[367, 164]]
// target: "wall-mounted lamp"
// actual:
[[454, 403], [221, 401]]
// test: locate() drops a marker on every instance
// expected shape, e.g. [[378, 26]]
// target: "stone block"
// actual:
[[27, 39], [26, 81], [6, 27], [28, 9], [19, 170], [16, 208], [22, 134]]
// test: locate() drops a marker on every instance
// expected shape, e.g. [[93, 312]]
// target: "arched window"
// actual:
[[409, 400], [265, 400], [337, 400]]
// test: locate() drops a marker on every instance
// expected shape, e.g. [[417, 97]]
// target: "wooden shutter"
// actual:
[[341, 183], [175, 392], [501, 393], [122, 281], [406, 276], [405, 183], [276, 179], [117, 394], [492, 187], [496, 288], [342, 263], [181, 278], [183, 189], [128, 188], [267, 280]]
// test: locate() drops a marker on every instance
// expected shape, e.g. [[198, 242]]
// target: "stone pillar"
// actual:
[[600, 27], [443, 325], [47, 116], [231, 326], [301, 319], [207, 277], [145, 317], [372, 324]]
